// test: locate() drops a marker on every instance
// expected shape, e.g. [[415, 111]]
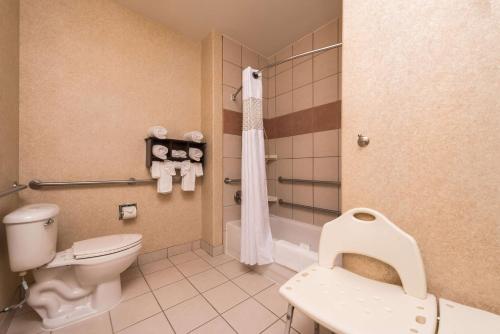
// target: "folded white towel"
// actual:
[[164, 183], [198, 169], [179, 154], [195, 136], [160, 151], [195, 153], [189, 172], [155, 169], [157, 131]]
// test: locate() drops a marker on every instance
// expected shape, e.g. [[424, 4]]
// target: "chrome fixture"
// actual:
[[231, 181], [285, 180], [13, 189], [237, 197], [363, 140], [37, 184], [256, 73], [302, 206]]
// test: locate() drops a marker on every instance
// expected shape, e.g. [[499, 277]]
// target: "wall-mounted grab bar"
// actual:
[[284, 179], [231, 181], [14, 189], [335, 212], [37, 184]]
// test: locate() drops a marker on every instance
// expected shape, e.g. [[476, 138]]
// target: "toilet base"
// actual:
[[60, 300]]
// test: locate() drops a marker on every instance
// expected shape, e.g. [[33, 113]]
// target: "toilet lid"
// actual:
[[105, 245], [455, 318]]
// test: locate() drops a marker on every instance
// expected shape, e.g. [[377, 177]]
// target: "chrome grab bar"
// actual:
[[330, 211], [37, 184], [231, 181], [284, 179], [14, 189]]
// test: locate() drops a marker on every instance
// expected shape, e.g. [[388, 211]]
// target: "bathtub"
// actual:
[[295, 246]]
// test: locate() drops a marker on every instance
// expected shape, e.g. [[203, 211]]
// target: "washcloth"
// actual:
[[164, 183], [189, 172], [195, 153], [179, 154], [195, 136], [157, 131], [155, 169], [160, 151]]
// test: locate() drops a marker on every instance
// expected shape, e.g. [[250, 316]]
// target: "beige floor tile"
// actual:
[[157, 324], [175, 293], [233, 269], [207, 280], [184, 257], [190, 314], [253, 282], [272, 300], [216, 326], [100, 324], [134, 287], [26, 323], [219, 259], [225, 296], [194, 267], [201, 253], [133, 311], [151, 267], [278, 328], [163, 277], [249, 317], [131, 272]]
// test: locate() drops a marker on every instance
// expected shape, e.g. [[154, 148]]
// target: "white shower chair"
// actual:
[[347, 303]]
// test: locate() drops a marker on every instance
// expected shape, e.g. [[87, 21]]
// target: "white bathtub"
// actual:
[[295, 246]]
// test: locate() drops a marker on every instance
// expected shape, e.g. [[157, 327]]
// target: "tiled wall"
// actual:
[[302, 122]]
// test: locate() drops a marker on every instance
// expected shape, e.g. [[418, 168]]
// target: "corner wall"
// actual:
[[9, 132]]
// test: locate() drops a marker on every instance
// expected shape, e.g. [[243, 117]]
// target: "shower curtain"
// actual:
[[256, 239]]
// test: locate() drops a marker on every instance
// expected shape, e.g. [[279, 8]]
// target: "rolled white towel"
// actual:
[[179, 154], [157, 131], [195, 153], [195, 136], [160, 151]]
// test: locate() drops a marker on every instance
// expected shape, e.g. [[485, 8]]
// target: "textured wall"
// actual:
[[421, 79], [94, 76], [9, 130]]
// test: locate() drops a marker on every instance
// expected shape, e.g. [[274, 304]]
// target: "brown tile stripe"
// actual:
[[320, 118]]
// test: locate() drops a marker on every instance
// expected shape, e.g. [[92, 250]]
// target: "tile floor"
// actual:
[[187, 293]]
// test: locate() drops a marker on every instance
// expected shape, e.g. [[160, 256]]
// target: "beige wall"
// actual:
[[421, 79], [9, 130], [94, 76], [211, 125]]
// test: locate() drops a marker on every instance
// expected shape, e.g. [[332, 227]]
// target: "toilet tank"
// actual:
[[31, 236]]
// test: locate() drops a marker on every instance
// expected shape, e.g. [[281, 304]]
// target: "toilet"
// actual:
[[76, 283]]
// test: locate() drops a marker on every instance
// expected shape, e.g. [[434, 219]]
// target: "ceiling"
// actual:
[[266, 26]]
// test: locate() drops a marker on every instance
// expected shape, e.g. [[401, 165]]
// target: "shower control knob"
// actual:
[[237, 197], [363, 140]]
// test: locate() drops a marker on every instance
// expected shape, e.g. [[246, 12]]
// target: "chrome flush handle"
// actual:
[[49, 222], [363, 140]]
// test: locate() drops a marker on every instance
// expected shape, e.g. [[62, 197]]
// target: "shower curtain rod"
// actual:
[[256, 73]]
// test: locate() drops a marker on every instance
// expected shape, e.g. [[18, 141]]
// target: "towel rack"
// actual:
[[231, 181], [37, 184], [284, 179], [13, 189], [330, 211]]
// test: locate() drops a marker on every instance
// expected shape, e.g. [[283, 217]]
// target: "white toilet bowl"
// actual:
[[84, 280], [74, 284]]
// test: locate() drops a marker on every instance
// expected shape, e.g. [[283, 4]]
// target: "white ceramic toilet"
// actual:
[[73, 284]]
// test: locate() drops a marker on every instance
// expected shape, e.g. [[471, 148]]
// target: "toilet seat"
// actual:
[[106, 245]]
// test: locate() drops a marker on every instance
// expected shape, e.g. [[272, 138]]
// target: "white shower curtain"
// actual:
[[256, 239]]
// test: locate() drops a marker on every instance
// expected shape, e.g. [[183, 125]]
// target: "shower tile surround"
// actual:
[[189, 292], [302, 110]]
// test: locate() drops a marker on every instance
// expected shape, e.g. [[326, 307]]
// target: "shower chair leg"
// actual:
[[316, 328], [289, 317]]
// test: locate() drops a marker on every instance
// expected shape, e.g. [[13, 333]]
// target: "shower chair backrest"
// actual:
[[368, 232]]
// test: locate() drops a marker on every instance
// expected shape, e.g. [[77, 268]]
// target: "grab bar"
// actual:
[[14, 189], [37, 184], [231, 181], [284, 179], [335, 212]]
